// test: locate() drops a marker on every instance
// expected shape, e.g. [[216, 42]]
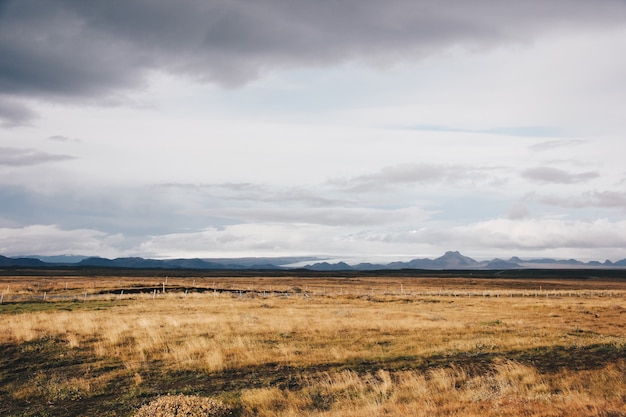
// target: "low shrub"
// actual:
[[185, 405]]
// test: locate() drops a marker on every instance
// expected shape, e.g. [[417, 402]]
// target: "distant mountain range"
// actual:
[[449, 261], [143, 263], [455, 260]]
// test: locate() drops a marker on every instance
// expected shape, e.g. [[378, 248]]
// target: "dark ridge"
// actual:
[[578, 274]]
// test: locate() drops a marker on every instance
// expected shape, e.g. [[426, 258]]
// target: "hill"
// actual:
[[451, 260]]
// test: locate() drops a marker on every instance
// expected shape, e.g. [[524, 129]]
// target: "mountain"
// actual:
[[97, 262], [136, 262], [366, 266], [454, 260], [325, 266], [25, 262], [501, 264], [451, 260], [620, 263], [182, 263], [551, 261], [59, 259], [413, 264], [197, 263], [253, 262]]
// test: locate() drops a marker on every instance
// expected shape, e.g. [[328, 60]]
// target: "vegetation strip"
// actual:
[[342, 354]]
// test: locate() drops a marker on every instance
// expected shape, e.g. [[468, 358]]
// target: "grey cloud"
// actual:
[[417, 174], [600, 199], [25, 157], [14, 114], [507, 234], [49, 49], [333, 216], [131, 211], [518, 212], [61, 138], [557, 176], [608, 199], [52, 240], [553, 144], [258, 193], [74, 48], [276, 205]]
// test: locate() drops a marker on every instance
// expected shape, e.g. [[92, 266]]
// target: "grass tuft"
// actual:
[[185, 405]]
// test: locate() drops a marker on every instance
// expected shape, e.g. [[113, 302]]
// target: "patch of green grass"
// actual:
[[39, 306], [491, 323]]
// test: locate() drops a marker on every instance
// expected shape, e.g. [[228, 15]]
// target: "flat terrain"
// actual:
[[106, 342]]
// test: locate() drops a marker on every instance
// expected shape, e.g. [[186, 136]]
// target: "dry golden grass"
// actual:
[[226, 332], [508, 389], [333, 348]]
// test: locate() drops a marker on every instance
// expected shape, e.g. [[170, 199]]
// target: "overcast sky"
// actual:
[[358, 129]]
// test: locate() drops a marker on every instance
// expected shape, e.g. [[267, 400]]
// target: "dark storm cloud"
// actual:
[[23, 157], [557, 176], [94, 49]]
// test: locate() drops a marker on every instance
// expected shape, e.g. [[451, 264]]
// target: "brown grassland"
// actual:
[[312, 346]]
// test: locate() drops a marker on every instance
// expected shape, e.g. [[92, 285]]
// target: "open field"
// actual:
[[314, 345]]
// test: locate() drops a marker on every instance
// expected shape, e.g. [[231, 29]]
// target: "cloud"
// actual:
[[257, 203], [69, 48], [25, 157], [423, 173], [15, 114], [602, 199], [247, 191], [557, 176], [331, 216], [521, 131], [543, 234], [61, 138], [244, 240], [554, 144], [600, 239], [51, 240], [518, 211]]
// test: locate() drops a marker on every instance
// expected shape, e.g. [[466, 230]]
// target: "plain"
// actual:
[[314, 346]]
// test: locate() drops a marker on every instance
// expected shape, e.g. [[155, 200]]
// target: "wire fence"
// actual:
[[161, 291]]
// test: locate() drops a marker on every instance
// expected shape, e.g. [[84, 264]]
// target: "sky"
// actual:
[[352, 129]]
